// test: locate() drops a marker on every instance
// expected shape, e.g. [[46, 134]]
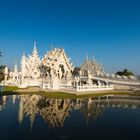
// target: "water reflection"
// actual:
[[54, 112], [3, 101]]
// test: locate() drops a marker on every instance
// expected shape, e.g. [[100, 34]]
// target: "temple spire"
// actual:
[[23, 64], [15, 68], [34, 45], [34, 49], [86, 58], [93, 59], [23, 55]]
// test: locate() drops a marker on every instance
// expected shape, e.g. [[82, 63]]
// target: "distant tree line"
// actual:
[[125, 72], [2, 67]]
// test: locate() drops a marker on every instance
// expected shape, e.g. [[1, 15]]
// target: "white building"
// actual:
[[50, 71], [54, 71]]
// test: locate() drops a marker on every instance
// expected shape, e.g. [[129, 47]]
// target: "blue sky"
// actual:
[[107, 29]]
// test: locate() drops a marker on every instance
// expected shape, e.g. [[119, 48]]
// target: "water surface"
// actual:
[[34, 117]]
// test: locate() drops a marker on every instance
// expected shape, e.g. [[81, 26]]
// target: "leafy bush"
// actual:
[[2, 67], [125, 72], [1, 76]]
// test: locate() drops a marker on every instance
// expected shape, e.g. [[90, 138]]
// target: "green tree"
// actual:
[[1, 73], [2, 67], [125, 72], [1, 70], [1, 76], [76, 71]]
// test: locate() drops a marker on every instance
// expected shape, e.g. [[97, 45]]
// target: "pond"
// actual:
[[34, 117]]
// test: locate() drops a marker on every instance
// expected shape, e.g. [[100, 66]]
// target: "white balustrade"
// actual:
[[93, 88]]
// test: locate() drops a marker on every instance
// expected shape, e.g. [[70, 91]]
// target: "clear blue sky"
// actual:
[[107, 29]]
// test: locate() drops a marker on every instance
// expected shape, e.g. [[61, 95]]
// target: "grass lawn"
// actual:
[[11, 90]]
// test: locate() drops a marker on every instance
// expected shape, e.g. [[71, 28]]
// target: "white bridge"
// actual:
[[110, 83], [118, 81], [128, 82]]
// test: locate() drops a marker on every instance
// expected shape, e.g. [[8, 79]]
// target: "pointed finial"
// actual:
[[93, 58], [86, 58], [35, 49], [86, 55], [34, 44], [15, 68]]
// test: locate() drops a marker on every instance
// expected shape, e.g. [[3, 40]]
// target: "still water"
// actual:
[[34, 117]]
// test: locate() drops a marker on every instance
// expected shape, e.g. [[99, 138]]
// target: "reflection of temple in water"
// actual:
[[55, 111], [3, 101], [90, 110]]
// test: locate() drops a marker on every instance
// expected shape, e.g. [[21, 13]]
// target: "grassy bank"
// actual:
[[12, 90], [72, 96]]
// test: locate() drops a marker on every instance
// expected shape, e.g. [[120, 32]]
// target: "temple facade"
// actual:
[[55, 71], [50, 71]]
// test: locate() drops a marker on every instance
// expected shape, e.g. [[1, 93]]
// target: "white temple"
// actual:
[[50, 71], [54, 71]]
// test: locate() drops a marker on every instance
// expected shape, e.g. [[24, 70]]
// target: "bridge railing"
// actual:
[[93, 87], [114, 80], [119, 78]]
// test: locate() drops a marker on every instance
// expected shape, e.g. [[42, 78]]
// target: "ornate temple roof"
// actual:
[[56, 55], [91, 67]]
